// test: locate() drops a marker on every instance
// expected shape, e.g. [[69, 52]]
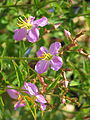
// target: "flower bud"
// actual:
[[57, 25], [66, 83], [88, 56], [67, 33], [63, 101]]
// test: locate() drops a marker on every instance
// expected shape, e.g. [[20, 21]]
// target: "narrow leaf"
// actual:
[[19, 74], [53, 84], [32, 107]]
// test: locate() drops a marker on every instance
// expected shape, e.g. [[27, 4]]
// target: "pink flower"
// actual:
[[32, 91], [49, 58], [17, 96], [29, 28]]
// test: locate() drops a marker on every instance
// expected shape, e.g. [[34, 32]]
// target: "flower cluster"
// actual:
[[32, 92], [29, 29]]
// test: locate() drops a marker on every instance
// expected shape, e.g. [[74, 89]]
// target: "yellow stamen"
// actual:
[[19, 97], [24, 23], [46, 56], [32, 99]]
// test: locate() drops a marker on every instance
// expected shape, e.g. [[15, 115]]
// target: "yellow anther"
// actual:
[[46, 56], [19, 97], [32, 99], [24, 23]]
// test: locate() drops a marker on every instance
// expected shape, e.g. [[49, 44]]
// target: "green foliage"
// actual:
[[15, 68], [53, 84]]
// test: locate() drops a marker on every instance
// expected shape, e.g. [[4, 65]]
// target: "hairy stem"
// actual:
[[18, 58]]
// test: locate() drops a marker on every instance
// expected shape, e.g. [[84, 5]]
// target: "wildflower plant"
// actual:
[[46, 74]]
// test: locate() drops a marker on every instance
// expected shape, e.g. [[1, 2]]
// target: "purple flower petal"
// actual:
[[32, 19], [41, 51], [31, 88], [25, 91], [42, 66], [12, 93], [54, 48], [41, 22], [56, 63], [33, 35], [19, 104], [40, 98], [43, 107], [20, 34]]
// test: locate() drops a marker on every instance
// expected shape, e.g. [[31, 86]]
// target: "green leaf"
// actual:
[[31, 106], [74, 83], [4, 77], [19, 74], [1, 103], [21, 51], [1, 92], [53, 84], [3, 53]]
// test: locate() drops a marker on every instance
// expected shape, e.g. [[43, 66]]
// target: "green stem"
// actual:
[[18, 58], [80, 91], [23, 5], [84, 14], [32, 70], [27, 5]]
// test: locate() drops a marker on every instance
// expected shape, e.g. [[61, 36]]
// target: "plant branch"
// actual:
[[18, 58]]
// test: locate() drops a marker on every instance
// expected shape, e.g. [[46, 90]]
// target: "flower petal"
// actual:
[[42, 66], [55, 47], [12, 93], [40, 98], [41, 51], [43, 107], [20, 34], [25, 91], [41, 22], [31, 19], [19, 104], [56, 63], [31, 88], [33, 35]]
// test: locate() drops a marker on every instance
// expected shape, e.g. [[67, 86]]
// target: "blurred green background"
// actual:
[[74, 16]]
